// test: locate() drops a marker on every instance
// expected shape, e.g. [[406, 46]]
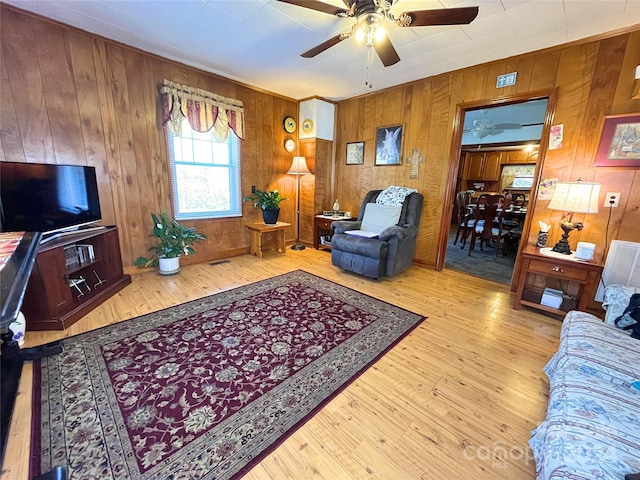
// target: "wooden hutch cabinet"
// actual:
[[483, 166], [487, 166], [520, 157]]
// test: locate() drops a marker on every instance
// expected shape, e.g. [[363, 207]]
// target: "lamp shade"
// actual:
[[575, 197], [299, 167]]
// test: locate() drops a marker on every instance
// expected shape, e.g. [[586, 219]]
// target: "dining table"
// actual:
[[511, 212]]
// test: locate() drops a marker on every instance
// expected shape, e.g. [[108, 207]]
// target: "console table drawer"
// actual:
[[553, 268], [323, 230], [325, 224]]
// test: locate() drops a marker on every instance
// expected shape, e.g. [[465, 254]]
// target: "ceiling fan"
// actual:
[[484, 126], [370, 16]]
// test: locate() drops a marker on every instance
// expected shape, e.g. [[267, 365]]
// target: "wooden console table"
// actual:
[[67, 282], [261, 231]]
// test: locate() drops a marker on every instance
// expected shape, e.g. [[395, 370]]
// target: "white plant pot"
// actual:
[[18, 328], [168, 266]]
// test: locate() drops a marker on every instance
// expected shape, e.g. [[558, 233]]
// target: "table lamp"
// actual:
[[299, 168], [570, 198]]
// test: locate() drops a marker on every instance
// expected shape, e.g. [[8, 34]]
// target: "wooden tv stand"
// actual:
[[72, 275]]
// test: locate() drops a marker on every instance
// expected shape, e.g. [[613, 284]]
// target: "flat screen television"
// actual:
[[47, 198]]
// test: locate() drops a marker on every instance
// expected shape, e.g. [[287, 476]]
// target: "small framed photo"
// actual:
[[619, 142], [355, 153], [389, 145]]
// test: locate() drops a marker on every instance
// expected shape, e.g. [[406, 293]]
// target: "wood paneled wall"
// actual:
[[70, 97], [592, 79]]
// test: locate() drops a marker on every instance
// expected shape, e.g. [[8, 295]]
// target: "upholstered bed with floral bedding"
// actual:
[[592, 426]]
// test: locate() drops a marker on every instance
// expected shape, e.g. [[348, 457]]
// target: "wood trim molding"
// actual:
[[456, 150]]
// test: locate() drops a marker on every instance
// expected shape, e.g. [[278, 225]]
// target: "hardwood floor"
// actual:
[[457, 398]]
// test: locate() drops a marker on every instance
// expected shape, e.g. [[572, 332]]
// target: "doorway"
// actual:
[[497, 148]]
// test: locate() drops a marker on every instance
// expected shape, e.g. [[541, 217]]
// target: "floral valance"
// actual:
[[203, 109]]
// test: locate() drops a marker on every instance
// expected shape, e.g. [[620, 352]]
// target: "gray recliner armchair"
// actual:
[[388, 254]]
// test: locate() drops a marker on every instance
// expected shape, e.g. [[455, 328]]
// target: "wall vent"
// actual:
[[621, 268]]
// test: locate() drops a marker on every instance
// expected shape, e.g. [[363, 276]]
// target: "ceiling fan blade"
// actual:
[[386, 52], [480, 133], [445, 16], [324, 45], [317, 6], [508, 126]]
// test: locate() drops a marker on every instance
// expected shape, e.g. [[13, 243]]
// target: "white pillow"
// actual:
[[377, 217], [362, 233]]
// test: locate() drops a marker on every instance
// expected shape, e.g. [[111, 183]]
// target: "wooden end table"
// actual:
[[260, 231], [577, 280], [322, 225]]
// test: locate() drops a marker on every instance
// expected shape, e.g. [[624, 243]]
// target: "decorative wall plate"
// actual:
[[289, 145], [289, 124], [307, 125]]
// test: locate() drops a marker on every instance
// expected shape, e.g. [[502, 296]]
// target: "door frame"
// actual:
[[454, 164]]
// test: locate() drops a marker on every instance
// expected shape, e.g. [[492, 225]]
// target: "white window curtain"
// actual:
[[204, 110]]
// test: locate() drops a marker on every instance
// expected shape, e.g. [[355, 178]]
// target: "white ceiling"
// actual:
[[258, 42]]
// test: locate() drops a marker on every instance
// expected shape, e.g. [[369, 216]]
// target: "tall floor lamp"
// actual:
[[299, 168]]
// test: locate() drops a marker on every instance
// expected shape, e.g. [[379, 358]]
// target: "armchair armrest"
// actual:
[[403, 232], [342, 226]]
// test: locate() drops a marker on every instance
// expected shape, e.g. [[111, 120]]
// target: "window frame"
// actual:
[[234, 176]]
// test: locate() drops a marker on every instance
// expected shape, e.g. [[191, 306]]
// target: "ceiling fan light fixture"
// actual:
[[370, 15], [368, 28]]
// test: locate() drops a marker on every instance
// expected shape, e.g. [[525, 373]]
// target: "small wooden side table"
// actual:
[[260, 232]]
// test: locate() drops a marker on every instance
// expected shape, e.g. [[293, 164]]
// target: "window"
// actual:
[[205, 174]]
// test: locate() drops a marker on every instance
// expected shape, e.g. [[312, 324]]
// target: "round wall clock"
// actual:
[[289, 124], [289, 145], [307, 125]]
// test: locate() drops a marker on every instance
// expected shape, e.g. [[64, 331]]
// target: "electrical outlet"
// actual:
[[253, 189], [612, 199]]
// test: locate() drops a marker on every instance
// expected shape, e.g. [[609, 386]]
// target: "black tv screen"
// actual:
[[47, 198]]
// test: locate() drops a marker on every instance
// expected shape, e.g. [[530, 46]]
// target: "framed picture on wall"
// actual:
[[619, 142], [355, 153], [389, 145]]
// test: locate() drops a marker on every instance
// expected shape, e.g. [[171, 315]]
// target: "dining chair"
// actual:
[[488, 225], [463, 199]]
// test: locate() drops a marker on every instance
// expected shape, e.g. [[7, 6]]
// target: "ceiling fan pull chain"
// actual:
[[368, 82]]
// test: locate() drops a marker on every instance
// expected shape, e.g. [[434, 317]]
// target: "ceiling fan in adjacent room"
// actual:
[[484, 126], [370, 17]]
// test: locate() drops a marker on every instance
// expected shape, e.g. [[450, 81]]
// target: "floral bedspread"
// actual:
[[592, 427]]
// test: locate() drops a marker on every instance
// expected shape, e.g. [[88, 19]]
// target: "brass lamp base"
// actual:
[[563, 245]]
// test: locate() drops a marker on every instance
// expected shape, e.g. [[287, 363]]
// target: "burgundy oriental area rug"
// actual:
[[205, 389]]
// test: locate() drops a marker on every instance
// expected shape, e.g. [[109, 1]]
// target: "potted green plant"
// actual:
[[269, 201], [174, 241]]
